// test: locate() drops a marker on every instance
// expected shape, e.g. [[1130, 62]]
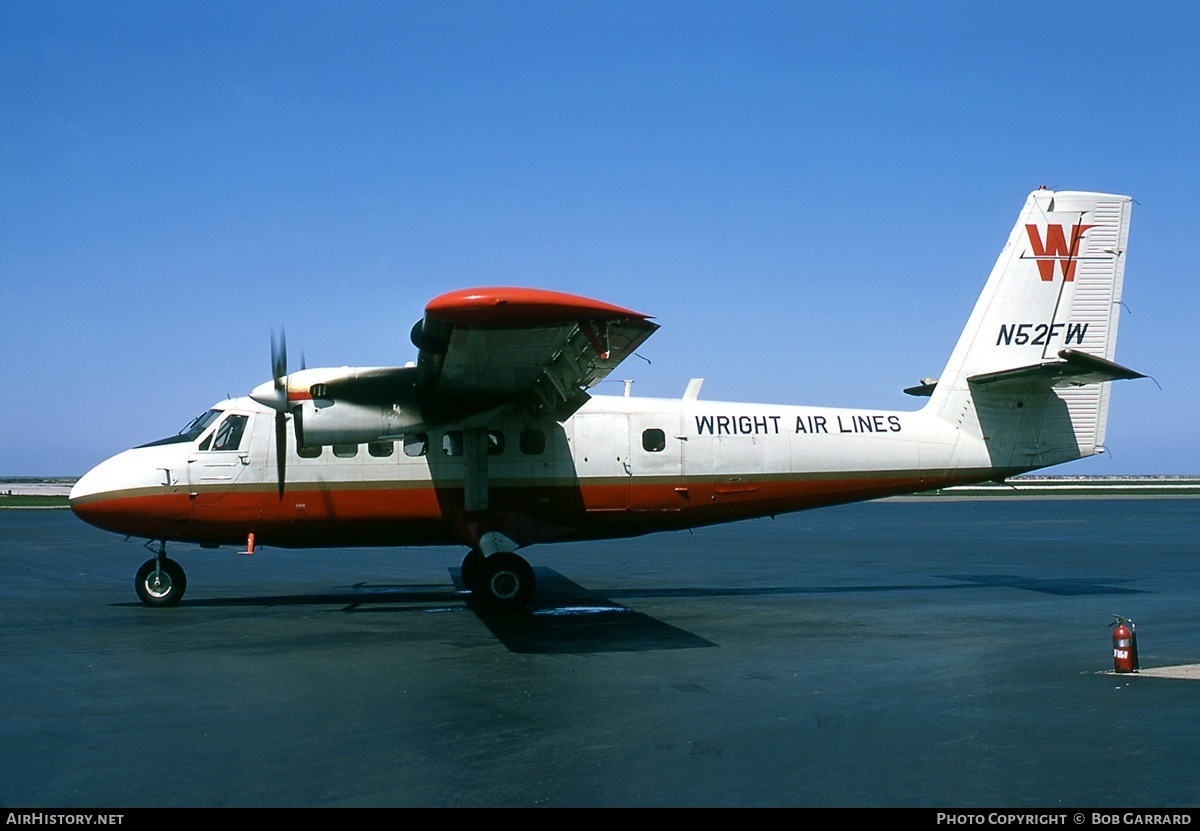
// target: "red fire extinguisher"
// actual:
[[1124, 638]]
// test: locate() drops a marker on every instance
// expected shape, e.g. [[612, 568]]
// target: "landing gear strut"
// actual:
[[160, 581]]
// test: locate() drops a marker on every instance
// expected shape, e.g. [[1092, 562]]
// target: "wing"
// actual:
[[535, 348]]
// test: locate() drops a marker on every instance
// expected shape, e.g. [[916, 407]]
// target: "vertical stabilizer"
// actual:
[[1054, 292]]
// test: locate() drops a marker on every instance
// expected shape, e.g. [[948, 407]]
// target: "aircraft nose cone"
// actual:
[[86, 493], [128, 493], [83, 487]]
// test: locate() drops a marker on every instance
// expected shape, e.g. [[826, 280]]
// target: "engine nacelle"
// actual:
[[322, 422], [352, 405]]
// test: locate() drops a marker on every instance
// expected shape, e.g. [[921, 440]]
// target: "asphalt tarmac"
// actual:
[[933, 653]]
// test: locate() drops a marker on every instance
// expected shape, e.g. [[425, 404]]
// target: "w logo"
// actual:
[[1056, 249]]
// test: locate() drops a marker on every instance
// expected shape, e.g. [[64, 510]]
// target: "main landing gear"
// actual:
[[503, 580], [160, 581]]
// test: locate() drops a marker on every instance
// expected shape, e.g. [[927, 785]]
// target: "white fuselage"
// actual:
[[619, 466]]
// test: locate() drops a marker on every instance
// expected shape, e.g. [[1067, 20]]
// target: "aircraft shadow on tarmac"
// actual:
[[570, 619], [565, 617]]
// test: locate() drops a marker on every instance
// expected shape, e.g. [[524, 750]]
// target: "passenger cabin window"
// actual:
[[416, 445], [654, 440], [345, 451], [381, 449], [532, 442], [306, 452], [228, 435], [452, 443]]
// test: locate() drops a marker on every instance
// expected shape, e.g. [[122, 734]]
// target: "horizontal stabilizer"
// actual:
[[1075, 369], [924, 389]]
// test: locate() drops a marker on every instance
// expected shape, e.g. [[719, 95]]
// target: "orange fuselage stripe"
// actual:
[[396, 516]]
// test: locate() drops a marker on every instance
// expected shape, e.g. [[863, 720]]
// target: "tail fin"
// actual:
[[1029, 374]]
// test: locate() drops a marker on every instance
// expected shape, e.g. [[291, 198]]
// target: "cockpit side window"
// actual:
[[229, 433]]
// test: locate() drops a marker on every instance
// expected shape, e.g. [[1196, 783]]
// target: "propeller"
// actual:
[[274, 394], [279, 371], [279, 360]]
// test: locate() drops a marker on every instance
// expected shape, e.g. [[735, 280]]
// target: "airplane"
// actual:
[[491, 439]]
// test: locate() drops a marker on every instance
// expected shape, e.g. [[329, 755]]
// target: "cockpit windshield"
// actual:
[[196, 426], [191, 430]]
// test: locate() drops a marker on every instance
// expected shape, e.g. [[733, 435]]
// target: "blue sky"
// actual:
[[807, 196]]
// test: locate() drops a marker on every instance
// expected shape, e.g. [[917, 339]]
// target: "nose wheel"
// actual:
[[160, 582]]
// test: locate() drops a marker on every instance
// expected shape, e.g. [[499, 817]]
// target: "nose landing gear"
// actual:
[[160, 581]]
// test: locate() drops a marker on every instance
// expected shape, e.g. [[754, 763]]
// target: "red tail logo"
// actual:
[[1056, 250]]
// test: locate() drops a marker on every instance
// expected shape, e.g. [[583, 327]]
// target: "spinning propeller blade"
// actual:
[[279, 371], [281, 449], [279, 359]]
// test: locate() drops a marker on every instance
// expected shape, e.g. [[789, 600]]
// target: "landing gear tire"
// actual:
[[472, 569], [507, 582], [161, 586]]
